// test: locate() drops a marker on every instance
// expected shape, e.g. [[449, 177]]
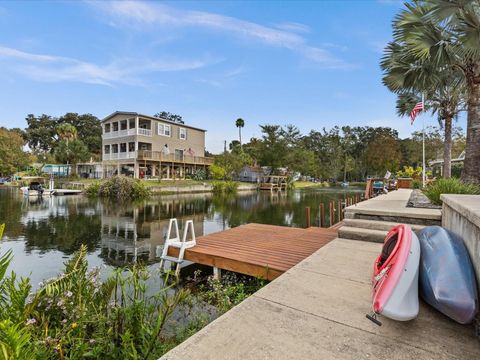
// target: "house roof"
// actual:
[[148, 117]]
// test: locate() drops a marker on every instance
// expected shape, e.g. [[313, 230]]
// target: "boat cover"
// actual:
[[447, 278]]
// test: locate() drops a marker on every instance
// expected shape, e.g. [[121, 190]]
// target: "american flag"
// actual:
[[416, 109]]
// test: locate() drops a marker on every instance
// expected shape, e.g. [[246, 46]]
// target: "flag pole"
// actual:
[[423, 142]]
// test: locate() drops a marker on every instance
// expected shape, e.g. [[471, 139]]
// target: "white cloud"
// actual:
[[58, 68], [142, 15]]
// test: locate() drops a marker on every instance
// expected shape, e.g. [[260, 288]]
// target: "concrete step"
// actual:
[[357, 233], [376, 225]]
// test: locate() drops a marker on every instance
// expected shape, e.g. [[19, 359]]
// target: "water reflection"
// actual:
[[116, 235]]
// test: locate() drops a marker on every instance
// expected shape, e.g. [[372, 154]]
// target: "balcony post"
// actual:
[[136, 124]]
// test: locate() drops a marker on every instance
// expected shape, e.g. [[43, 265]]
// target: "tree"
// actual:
[[67, 132], [40, 132], [12, 156], [447, 33], [273, 146], [443, 88], [240, 123], [70, 150], [169, 116], [88, 128], [383, 153]]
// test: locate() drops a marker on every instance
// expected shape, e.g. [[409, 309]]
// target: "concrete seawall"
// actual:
[[200, 188]]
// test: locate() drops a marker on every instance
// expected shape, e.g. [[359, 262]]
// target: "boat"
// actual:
[[447, 279], [345, 184], [34, 187], [395, 276]]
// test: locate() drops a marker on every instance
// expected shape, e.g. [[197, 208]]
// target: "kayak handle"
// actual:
[[373, 318]]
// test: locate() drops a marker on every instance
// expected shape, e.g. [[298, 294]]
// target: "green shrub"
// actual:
[[231, 290], [224, 187], [77, 316], [449, 186], [199, 175], [217, 172], [119, 188], [417, 184]]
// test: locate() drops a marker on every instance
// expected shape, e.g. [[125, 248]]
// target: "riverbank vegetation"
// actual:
[[224, 187], [119, 188], [76, 315]]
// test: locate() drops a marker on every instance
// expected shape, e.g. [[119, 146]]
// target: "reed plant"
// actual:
[[119, 188]]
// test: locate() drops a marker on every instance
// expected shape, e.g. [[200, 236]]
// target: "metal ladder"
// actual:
[[182, 244]]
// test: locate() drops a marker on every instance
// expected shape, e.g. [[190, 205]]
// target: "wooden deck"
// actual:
[[265, 251]]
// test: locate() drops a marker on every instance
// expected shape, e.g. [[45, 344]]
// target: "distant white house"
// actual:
[[90, 170], [252, 174], [438, 164]]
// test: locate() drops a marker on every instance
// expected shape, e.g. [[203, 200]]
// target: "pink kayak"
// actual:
[[395, 276]]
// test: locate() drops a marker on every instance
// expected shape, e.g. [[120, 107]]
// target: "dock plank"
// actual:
[[260, 250]]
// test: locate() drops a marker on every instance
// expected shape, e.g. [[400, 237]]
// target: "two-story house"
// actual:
[[146, 146]]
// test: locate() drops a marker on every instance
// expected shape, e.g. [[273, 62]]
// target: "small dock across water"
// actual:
[[265, 251]]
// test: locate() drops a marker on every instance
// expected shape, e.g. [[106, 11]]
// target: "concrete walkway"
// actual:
[[316, 310], [393, 205]]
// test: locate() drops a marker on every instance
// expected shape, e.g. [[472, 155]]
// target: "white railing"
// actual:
[[144, 132], [120, 155], [119, 133]]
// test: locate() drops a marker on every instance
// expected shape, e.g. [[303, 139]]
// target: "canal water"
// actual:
[[43, 233]]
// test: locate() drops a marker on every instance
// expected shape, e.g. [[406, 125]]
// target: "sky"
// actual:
[[313, 64]]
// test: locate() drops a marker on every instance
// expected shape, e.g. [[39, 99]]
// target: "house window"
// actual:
[[182, 133], [114, 148], [107, 128], [131, 123], [123, 147], [106, 149], [164, 129], [115, 126], [123, 125], [131, 146]]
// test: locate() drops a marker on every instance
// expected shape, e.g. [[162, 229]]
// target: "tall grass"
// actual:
[[449, 186]]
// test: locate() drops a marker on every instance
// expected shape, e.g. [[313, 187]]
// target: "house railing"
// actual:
[[120, 155], [160, 156], [127, 132]]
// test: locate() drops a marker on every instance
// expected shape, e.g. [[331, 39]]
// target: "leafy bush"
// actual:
[[410, 172], [199, 174], [119, 188], [449, 186], [77, 316], [224, 187], [230, 291], [417, 184], [217, 172]]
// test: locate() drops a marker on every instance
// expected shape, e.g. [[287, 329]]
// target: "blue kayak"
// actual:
[[447, 279]]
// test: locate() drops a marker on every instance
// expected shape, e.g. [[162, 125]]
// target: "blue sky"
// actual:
[[313, 64]]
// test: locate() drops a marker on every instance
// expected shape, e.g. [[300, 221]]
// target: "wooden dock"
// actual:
[[265, 251]]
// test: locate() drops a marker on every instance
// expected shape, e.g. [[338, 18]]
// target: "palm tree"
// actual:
[[67, 132], [444, 89], [446, 33], [240, 123]]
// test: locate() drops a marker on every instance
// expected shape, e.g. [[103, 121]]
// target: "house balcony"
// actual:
[[120, 156], [173, 158], [128, 132]]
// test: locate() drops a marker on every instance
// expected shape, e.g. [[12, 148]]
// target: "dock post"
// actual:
[[339, 210], [217, 273], [307, 215], [332, 213], [322, 215]]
